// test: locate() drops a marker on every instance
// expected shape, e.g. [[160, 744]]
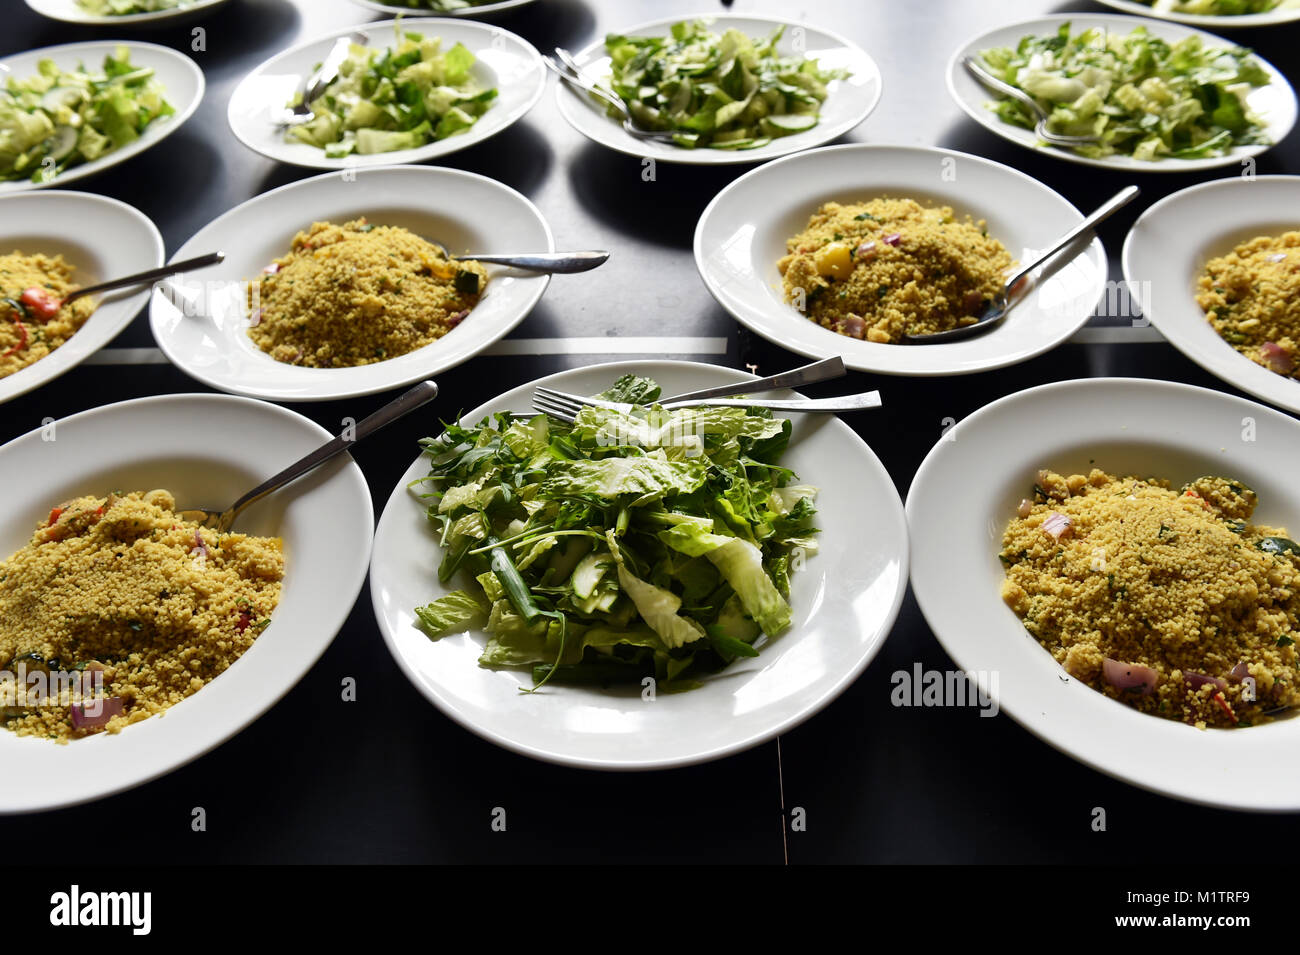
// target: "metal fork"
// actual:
[[565, 407], [324, 75], [1020, 96], [569, 71]]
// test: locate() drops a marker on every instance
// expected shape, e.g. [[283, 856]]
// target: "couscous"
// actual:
[[118, 608], [357, 293], [1169, 600], [33, 319], [887, 268], [1251, 297]]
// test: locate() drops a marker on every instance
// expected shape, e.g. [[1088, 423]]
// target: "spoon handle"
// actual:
[[822, 370], [1104, 212], [141, 278], [564, 262], [420, 395]]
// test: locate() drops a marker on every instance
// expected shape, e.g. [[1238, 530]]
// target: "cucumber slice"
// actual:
[[784, 124], [61, 144], [588, 573], [58, 97]]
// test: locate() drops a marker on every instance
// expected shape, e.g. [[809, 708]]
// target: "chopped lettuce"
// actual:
[[634, 543], [727, 91], [1220, 8], [404, 97], [1141, 95], [119, 8]]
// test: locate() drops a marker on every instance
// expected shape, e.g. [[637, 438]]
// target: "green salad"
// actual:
[[727, 92], [400, 98], [1143, 96], [61, 118], [632, 544], [439, 6], [121, 8], [1219, 8]]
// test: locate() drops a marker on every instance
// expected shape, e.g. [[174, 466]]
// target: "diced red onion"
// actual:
[[1057, 524], [455, 318], [1276, 358], [272, 268], [1198, 680], [96, 713], [1239, 672], [867, 250], [200, 546], [1277, 257], [1026, 505], [1129, 676], [852, 325], [894, 238]]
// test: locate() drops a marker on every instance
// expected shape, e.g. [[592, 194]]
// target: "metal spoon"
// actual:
[[221, 521], [560, 262], [998, 308], [1020, 96], [151, 275], [324, 75]]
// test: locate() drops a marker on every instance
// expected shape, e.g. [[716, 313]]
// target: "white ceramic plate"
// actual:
[[482, 9], [742, 234], [69, 11], [1274, 103], [181, 78], [504, 61], [103, 239], [849, 103], [1165, 254], [203, 325], [207, 450], [965, 492], [1269, 18], [844, 602]]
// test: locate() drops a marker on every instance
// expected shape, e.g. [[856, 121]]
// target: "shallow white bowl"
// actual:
[[102, 239], [69, 11], [844, 602], [483, 9], [849, 103], [1211, 22], [1274, 103], [203, 326], [742, 234], [207, 450], [181, 79], [1165, 254], [503, 60], [967, 490]]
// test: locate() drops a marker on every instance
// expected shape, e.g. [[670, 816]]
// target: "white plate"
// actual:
[[69, 11], [1165, 254], [207, 450], [1274, 103], [742, 234], [844, 602], [102, 239], [966, 491], [181, 79], [483, 9], [208, 335], [849, 103], [503, 60], [1202, 20]]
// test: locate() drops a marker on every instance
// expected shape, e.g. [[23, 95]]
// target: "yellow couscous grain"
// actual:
[[26, 336], [1251, 297]]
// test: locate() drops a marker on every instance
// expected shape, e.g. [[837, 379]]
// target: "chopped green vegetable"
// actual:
[[1219, 8], [118, 8], [725, 92], [1141, 95], [633, 543]]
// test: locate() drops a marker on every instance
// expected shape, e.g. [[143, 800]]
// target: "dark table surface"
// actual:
[[389, 779]]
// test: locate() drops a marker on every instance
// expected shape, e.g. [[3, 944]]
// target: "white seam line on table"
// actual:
[[1102, 335], [510, 346]]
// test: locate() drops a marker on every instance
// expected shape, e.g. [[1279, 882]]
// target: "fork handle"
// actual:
[[822, 370], [860, 402], [421, 394], [571, 76]]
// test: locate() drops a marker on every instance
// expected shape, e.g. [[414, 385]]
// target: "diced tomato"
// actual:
[[245, 618], [41, 304], [54, 514], [22, 338]]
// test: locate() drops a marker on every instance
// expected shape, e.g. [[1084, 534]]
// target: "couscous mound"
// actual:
[[357, 293], [118, 608], [1169, 600], [1251, 297], [33, 320], [888, 268]]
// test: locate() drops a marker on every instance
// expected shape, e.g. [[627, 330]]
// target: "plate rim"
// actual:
[[389, 512], [722, 157], [851, 360], [429, 152], [960, 654], [1165, 165], [129, 19], [1239, 21], [348, 469], [543, 283]]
